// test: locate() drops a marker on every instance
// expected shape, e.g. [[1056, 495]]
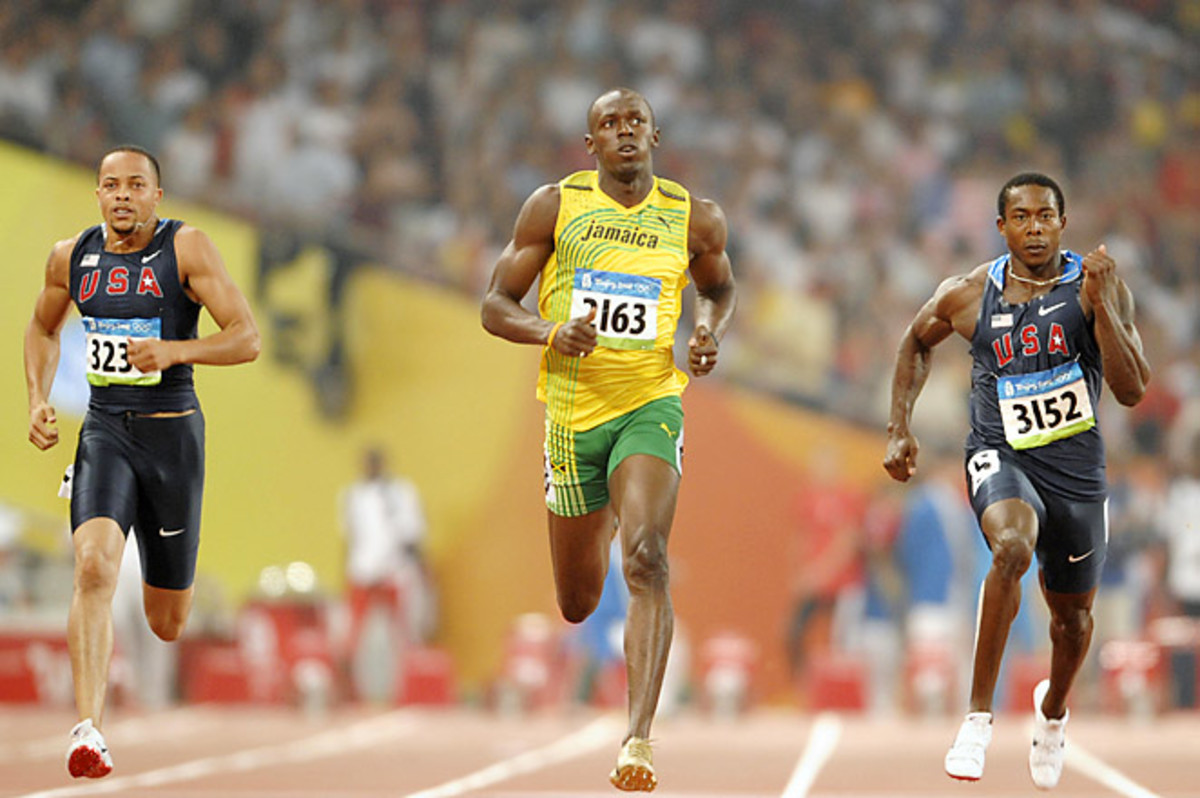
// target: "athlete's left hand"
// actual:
[[1100, 277], [702, 351], [149, 354]]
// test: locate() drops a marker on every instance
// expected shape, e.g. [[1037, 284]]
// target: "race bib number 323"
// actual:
[[106, 352], [1045, 406], [626, 307]]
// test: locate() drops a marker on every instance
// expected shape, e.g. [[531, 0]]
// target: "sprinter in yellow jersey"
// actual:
[[614, 249]]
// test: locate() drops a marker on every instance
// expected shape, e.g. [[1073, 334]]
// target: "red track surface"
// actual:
[[252, 752]]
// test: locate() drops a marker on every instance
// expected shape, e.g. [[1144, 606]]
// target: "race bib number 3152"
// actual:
[[626, 307], [106, 352], [1045, 406]]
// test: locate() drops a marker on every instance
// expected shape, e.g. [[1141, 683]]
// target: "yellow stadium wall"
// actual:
[[455, 410]]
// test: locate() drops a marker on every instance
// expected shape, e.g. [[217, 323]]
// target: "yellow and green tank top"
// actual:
[[630, 264]]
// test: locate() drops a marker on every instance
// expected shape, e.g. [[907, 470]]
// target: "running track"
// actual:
[[207, 751]]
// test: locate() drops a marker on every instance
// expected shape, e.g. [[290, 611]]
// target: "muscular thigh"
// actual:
[[171, 482], [579, 463], [104, 481], [1072, 536], [1073, 545]]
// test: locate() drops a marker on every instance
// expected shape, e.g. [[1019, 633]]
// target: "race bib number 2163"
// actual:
[[626, 307]]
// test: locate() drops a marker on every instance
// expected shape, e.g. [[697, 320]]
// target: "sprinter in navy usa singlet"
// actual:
[[139, 283], [1035, 383], [1047, 328], [133, 295]]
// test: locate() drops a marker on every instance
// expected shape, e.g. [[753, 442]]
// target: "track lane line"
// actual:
[[592, 737], [822, 742], [333, 742], [1096, 769], [130, 731]]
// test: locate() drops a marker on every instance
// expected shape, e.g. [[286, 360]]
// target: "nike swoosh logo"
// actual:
[[1073, 558], [170, 533], [151, 256], [1048, 310]]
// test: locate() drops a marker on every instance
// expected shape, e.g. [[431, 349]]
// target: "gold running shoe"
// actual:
[[635, 767]]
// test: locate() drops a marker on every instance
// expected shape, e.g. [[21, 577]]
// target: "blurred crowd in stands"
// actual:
[[856, 146]]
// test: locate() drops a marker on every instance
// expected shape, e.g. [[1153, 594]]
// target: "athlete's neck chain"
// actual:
[[1030, 280]]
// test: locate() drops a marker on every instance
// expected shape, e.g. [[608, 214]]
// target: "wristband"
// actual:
[[553, 332]]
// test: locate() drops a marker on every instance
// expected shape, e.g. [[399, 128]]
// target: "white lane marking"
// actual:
[[132, 731], [334, 742], [596, 734], [822, 742], [1097, 770]]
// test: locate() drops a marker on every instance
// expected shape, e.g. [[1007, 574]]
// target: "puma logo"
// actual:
[[666, 429]]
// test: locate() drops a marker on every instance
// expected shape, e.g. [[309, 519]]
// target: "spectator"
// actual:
[[383, 525]]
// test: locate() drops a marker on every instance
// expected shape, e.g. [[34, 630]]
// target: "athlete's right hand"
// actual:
[[901, 458], [43, 432], [577, 336]]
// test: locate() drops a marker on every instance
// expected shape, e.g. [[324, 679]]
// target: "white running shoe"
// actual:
[[964, 760], [1049, 742], [88, 755], [635, 767]]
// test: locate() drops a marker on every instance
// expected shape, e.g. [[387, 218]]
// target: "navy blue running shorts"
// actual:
[[1072, 536], [145, 473]]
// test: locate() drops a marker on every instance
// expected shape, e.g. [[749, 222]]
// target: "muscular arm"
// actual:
[[519, 265], [951, 308], [1126, 369], [203, 274], [716, 291], [42, 343]]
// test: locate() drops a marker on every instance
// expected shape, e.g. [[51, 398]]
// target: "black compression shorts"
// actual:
[[148, 474], [1072, 536]]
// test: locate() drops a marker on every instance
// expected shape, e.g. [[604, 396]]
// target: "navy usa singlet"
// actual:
[[1035, 384], [133, 295]]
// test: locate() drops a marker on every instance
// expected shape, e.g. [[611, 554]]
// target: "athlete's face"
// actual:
[[622, 134], [1032, 225], [128, 192]]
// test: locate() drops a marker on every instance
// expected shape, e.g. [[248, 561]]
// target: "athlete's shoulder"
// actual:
[[195, 251], [187, 237], [65, 248], [707, 227], [538, 216], [58, 262], [959, 294]]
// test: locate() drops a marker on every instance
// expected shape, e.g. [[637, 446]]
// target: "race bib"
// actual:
[[626, 307], [1045, 406], [106, 350]]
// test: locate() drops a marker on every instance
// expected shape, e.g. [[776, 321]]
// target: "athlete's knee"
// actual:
[[95, 569], [1012, 553], [577, 606], [1073, 624], [646, 567], [166, 611], [167, 623]]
